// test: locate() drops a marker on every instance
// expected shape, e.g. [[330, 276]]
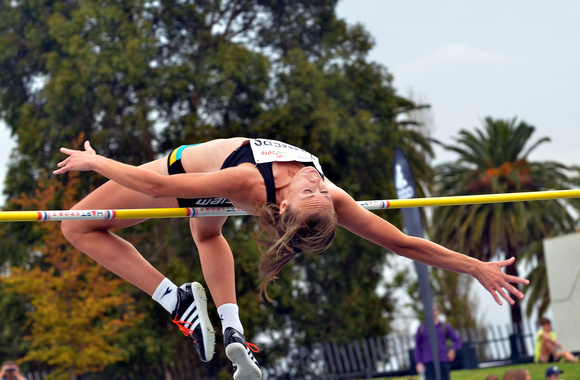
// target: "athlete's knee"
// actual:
[[202, 234], [201, 238], [71, 230]]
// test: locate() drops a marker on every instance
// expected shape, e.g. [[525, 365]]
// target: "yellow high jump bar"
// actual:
[[195, 212]]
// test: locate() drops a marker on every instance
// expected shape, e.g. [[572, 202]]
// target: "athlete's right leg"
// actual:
[[188, 304], [95, 239]]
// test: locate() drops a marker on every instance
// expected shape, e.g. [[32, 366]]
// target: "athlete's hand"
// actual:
[[491, 276], [77, 160]]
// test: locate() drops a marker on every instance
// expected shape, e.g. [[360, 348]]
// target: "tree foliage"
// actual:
[[139, 78], [77, 309], [495, 159], [451, 292]]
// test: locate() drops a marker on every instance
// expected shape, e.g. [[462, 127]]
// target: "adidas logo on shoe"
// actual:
[[191, 317]]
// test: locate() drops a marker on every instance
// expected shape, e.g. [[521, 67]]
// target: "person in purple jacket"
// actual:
[[423, 355]]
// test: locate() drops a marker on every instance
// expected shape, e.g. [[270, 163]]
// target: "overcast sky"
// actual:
[[473, 59]]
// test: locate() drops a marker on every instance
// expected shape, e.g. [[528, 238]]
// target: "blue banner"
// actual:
[[406, 189]]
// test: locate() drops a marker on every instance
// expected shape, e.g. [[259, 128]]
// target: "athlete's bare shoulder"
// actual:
[[246, 186]]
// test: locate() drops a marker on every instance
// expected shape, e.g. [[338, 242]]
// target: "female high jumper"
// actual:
[[281, 184]]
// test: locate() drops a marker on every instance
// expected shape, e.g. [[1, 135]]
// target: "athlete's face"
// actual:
[[307, 192]]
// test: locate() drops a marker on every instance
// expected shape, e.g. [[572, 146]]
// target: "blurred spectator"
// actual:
[[10, 371], [553, 373], [423, 355], [547, 349]]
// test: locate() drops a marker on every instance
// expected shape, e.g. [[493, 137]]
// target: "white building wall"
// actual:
[[562, 256]]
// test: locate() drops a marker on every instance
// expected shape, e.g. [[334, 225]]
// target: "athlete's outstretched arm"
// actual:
[[223, 183], [377, 230]]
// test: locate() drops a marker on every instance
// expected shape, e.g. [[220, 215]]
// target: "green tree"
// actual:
[[495, 159], [77, 312], [12, 313], [139, 78], [450, 291]]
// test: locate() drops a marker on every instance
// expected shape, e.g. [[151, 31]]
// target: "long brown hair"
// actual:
[[289, 234]]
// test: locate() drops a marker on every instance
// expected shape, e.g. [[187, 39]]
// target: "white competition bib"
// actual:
[[265, 150]]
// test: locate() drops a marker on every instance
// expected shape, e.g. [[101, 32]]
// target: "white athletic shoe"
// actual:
[[191, 317], [246, 367]]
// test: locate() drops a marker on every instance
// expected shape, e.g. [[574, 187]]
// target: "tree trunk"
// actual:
[[516, 313]]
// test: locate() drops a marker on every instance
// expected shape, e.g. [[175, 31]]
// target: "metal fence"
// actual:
[[497, 343], [383, 356], [392, 355]]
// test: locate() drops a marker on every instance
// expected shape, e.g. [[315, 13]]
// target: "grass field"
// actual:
[[537, 371]]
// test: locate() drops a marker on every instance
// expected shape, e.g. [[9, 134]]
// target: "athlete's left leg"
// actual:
[[217, 263]]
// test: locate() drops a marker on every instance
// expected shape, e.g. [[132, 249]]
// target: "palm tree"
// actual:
[[495, 160]]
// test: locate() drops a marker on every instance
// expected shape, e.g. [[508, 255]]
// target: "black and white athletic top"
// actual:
[[260, 152]]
